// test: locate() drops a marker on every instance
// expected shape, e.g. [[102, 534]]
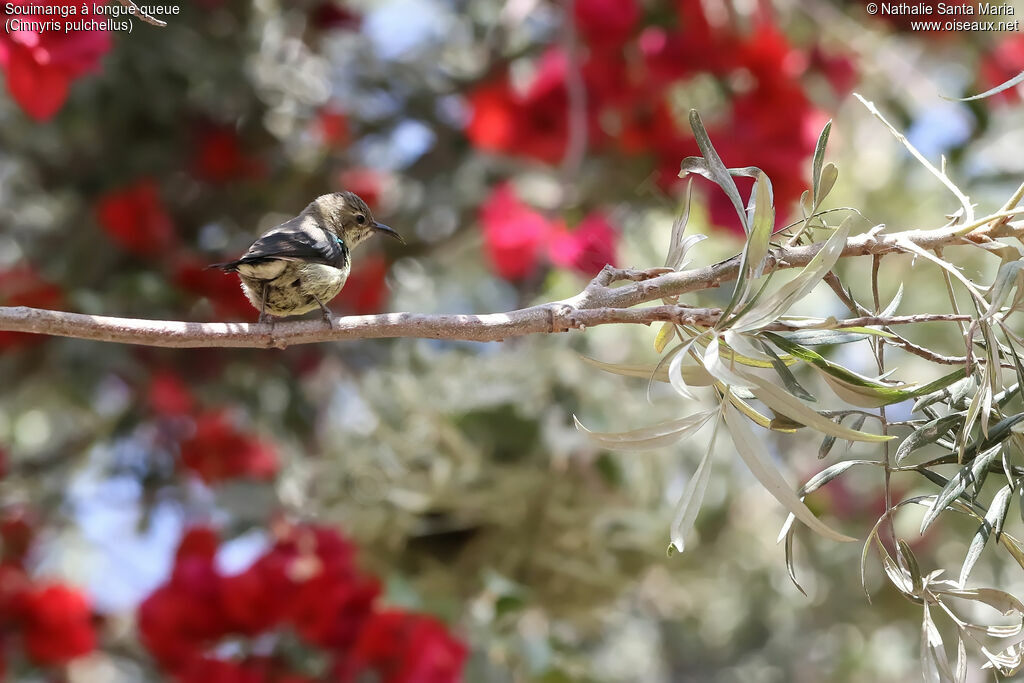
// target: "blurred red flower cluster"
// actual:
[[632, 75], [40, 66], [304, 588], [135, 219], [517, 238], [23, 286], [52, 622], [215, 449]]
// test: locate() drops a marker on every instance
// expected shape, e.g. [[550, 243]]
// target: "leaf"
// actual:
[[819, 159], [927, 433], [786, 376], [713, 364], [956, 486], [645, 438], [693, 375], [934, 662], [761, 225], [1009, 276], [1002, 602], [829, 175], [689, 504], [761, 467], [790, 406], [677, 244], [713, 168], [821, 337], [665, 334], [995, 515], [781, 300], [1005, 85], [790, 565], [853, 387]]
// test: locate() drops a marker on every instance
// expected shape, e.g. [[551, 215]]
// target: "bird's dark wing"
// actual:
[[299, 239]]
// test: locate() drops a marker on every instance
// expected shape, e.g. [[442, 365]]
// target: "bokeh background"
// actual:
[[415, 511]]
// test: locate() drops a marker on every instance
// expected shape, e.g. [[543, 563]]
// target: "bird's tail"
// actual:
[[227, 266]]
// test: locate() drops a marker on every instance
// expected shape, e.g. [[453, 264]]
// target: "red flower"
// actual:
[[514, 234], [56, 624], [365, 182], [217, 451], [330, 15], [606, 23], [181, 618], [366, 290], [222, 290], [23, 286], [588, 248], [17, 535], [405, 648], [40, 66], [333, 127], [218, 157], [532, 123], [168, 394], [135, 218]]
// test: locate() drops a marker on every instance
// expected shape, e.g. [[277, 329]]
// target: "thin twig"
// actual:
[[142, 15]]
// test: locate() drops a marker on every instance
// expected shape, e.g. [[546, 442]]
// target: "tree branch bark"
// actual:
[[598, 304]]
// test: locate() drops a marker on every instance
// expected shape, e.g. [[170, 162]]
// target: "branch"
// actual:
[[598, 304], [142, 15]]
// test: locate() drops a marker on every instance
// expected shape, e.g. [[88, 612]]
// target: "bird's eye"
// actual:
[[360, 219]]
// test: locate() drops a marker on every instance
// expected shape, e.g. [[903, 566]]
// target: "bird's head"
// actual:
[[347, 216]]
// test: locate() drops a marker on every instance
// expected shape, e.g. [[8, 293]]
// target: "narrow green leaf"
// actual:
[[781, 300], [787, 377], [1005, 85], [829, 175], [750, 451], [823, 337], [761, 225], [819, 160], [646, 438], [692, 498], [785, 403], [958, 484], [995, 516], [716, 170], [790, 563], [927, 433]]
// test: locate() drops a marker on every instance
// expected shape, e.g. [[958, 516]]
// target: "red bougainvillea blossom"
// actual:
[[56, 624], [192, 275], [588, 248], [41, 66], [606, 23], [135, 219], [307, 584], [632, 77], [517, 237], [52, 623], [366, 290], [23, 286], [220, 158], [218, 451], [168, 395]]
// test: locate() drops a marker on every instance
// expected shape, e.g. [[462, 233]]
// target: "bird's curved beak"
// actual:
[[380, 227]]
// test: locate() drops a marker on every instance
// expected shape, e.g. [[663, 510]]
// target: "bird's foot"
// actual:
[[266, 319], [325, 312]]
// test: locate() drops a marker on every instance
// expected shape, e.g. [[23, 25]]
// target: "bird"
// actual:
[[303, 263]]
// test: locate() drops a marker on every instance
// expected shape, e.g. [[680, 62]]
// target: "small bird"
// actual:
[[304, 262]]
